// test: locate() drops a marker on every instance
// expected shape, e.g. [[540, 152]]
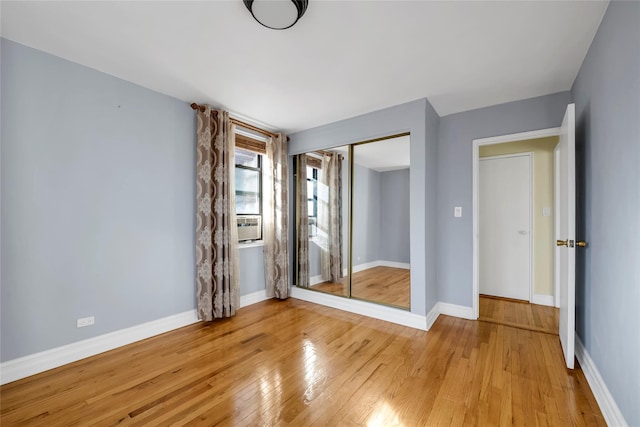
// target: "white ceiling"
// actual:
[[342, 59], [382, 156]]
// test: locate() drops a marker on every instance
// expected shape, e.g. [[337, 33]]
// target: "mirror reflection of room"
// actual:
[[380, 221], [322, 209], [378, 178]]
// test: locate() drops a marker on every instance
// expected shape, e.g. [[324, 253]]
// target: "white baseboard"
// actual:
[[448, 310], [432, 316], [253, 298], [32, 364], [314, 280], [22, 367], [382, 312], [364, 266], [543, 300], [456, 310], [380, 263], [608, 406], [404, 265], [376, 311]]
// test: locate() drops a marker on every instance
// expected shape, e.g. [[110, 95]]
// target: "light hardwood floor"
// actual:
[[522, 315], [299, 364], [386, 285]]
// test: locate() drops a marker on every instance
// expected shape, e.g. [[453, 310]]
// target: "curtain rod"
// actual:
[[324, 152], [239, 122]]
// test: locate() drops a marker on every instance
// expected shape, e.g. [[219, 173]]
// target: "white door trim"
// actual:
[[556, 225], [476, 143], [529, 155]]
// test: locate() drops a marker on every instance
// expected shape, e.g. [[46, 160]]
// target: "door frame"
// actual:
[[529, 155], [476, 144], [556, 227]]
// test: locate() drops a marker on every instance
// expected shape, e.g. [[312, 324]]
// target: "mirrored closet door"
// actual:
[[322, 194], [380, 222], [352, 221]]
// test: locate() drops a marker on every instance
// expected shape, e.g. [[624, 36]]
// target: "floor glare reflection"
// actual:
[[384, 416], [310, 369]]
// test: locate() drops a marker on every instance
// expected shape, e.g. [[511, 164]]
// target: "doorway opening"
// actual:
[[532, 235], [506, 221]]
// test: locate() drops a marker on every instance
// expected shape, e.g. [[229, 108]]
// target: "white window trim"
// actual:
[[254, 244], [254, 135], [250, 134]]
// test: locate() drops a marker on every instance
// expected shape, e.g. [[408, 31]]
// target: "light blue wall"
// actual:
[[607, 97], [314, 259], [378, 198], [380, 216], [457, 131], [366, 215], [251, 270], [98, 204], [420, 119], [394, 216]]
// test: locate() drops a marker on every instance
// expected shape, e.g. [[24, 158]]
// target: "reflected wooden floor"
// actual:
[[294, 363], [336, 288], [386, 285], [523, 315]]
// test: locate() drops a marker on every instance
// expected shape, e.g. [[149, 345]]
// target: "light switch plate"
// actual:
[[546, 211], [457, 211]]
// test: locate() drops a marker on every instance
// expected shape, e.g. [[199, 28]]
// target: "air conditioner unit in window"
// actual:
[[249, 227]]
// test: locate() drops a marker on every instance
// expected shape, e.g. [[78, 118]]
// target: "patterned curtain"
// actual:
[[331, 251], [276, 218], [217, 275], [302, 221]]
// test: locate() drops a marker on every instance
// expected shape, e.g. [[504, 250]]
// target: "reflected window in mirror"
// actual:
[[352, 221], [320, 216], [312, 200]]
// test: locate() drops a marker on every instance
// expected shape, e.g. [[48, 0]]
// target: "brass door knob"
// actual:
[[562, 243], [581, 244]]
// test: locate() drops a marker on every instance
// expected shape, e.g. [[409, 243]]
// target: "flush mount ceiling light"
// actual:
[[277, 14]]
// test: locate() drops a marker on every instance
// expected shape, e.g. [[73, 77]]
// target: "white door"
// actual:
[[565, 232], [505, 226]]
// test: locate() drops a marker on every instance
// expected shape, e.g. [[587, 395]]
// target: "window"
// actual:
[[312, 200], [248, 175], [248, 182]]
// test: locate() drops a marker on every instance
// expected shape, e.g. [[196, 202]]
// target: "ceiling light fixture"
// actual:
[[277, 14]]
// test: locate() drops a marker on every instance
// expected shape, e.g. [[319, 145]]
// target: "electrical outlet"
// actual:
[[86, 321]]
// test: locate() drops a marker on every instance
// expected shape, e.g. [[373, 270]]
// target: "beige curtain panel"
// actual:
[[276, 218], [331, 250], [217, 270], [302, 222]]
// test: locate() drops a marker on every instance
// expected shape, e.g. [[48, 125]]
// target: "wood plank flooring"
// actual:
[[294, 363], [386, 285], [522, 315]]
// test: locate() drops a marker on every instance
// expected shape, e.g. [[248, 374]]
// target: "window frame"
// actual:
[[255, 169], [314, 199], [245, 141]]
